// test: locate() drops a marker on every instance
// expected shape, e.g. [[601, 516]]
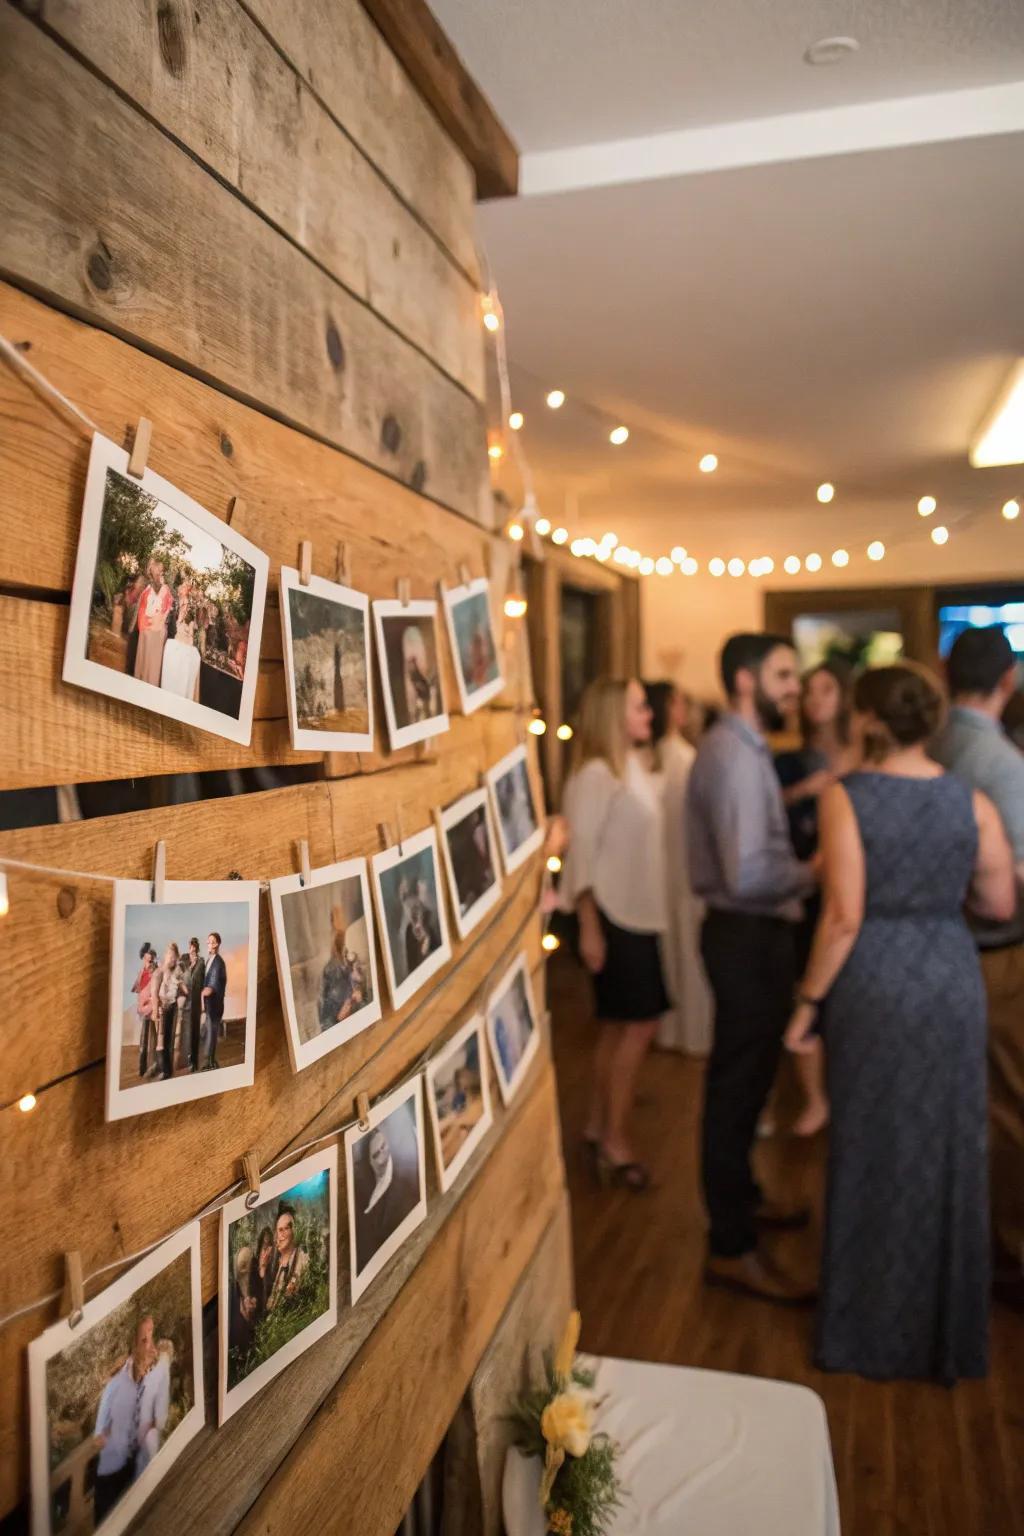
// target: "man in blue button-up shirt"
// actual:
[[742, 865]]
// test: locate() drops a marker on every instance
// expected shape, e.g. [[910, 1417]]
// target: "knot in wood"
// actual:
[[227, 447], [65, 901], [418, 478], [335, 346], [173, 49], [98, 267], [390, 434]]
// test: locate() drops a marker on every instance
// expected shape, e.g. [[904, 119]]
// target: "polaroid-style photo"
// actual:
[[471, 859], [387, 1184], [519, 829], [471, 630], [182, 992], [410, 670], [410, 913], [167, 602], [278, 1276], [114, 1400], [459, 1100], [512, 1027], [326, 633], [326, 963]]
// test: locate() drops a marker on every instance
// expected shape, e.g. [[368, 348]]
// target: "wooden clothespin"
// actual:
[[404, 587], [343, 567], [398, 826], [304, 862], [236, 505], [159, 866], [139, 455], [251, 1174], [74, 1287], [464, 574], [305, 561], [363, 1110], [384, 833]]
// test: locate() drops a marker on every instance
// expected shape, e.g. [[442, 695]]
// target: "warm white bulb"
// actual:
[[611, 540], [679, 554], [564, 733], [27, 1102], [767, 565], [621, 555], [550, 942], [840, 558], [736, 566], [663, 565], [618, 435], [926, 506], [515, 532], [515, 607], [516, 420], [554, 864], [708, 464], [716, 566], [556, 398], [560, 536], [689, 566], [646, 565], [940, 535], [825, 492], [495, 451], [791, 565], [1011, 510], [537, 727], [5, 900], [491, 320], [543, 526], [813, 563], [876, 550], [636, 559]]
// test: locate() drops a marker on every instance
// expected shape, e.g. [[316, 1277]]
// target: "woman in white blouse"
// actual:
[[614, 878]]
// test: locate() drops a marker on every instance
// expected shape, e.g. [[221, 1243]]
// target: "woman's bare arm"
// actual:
[[842, 913], [993, 892]]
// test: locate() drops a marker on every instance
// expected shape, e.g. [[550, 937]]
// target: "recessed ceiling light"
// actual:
[[1000, 438], [708, 464], [556, 398], [831, 50], [618, 435], [825, 491]]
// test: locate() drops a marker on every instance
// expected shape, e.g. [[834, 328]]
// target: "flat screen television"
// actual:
[[980, 610]]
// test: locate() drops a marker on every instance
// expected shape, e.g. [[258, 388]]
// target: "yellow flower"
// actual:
[[567, 1422]]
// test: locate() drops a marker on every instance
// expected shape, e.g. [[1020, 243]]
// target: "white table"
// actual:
[[704, 1453]]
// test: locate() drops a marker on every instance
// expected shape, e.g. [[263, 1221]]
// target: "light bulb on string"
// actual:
[[791, 565], [840, 558], [560, 536], [611, 539], [491, 318], [516, 532], [940, 535], [495, 452], [679, 554], [926, 506], [1011, 510], [716, 566], [516, 421], [663, 565], [646, 565], [736, 566], [537, 726], [876, 550], [515, 607], [554, 864], [550, 942], [708, 464], [555, 399], [564, 732], [767, 565], [618, 436], [689, 566], [27, 1102], [542, 526], [825, 492], [813, 563]]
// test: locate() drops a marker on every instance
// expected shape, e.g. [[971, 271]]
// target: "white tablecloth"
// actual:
[[705, 1453]]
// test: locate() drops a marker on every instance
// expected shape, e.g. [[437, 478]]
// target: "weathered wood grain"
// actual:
[[186, 269], [343, 58], [209, 75], [432, 64]]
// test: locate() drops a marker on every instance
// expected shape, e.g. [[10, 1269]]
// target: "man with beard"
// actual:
[[743, 866]]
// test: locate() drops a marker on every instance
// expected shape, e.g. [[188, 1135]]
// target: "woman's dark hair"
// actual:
[[144, 951], [266, 1236], [841, 677], [906, 700], [659, 697]]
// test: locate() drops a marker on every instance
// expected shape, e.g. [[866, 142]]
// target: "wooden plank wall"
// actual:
[[239, 219]]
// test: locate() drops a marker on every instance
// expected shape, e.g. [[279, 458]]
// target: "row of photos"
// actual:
[[167, 614], [116, 1395]]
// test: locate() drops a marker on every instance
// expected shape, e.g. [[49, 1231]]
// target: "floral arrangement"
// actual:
[[579, 1488]]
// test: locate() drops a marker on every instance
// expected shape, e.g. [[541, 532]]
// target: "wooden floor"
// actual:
[[910, 1459]]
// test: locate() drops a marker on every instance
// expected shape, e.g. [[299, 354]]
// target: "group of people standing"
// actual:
[[169, 629], [180, 1006], [835, 900], [266, 1277]]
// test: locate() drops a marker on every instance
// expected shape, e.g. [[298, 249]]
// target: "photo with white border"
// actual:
[[325, 630], [385, 1169], [409, 657], [136, 1354], [512, 1027], [515, 814], [167, 601], [411, 913], [474, 647], [182, 1025], [265, 1284], [459, 1100], [471, 859]]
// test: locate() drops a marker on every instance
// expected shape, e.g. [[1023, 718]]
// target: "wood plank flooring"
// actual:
[[911, 1459]]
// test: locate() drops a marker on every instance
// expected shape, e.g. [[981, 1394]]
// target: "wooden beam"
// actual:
[[432, 64]]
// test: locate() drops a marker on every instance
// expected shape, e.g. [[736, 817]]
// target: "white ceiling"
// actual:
[[845, 318]]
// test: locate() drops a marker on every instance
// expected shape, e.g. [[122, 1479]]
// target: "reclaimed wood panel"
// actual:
[[209, 76], [186, 269], [341, 55]]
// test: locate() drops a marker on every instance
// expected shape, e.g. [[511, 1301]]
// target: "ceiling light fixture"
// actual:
[[618, 435], [825, 492], [926, 506], [516, 420], [1000, 438], [556, 398], [831, 50], [1011, 510], [876, 550], [940, 535], [708, 464], [813, 563], [791, 565]]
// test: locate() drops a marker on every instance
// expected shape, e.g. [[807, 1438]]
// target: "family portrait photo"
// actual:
[[519, 830], [512, 1027], [410, 912], [167, 603], [459, 1100], [182, 992], [326, 635], [471, 859], [387, 1187], [410, 670], [323, 940], [471, 629], [115, 1399], [278, 1276]]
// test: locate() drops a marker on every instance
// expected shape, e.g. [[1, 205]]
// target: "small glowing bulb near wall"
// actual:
[[556, 399], [515, 532], [1011, 510], [554, 864], [663, 565], [515, 607], [516, 420], [876, 550], [791, 565], [813, 562], [549, 943], [736, 566], [708, 464], [689, 566], [5, 900], [841, 558], [491, 320], [27, 1102], [495, 452], [618, 436], [716, 566], [940, 535], [926, 506], [543, 525], [537, 727], [825, 492], [679, 554], [560, 536], [767, 565], [564, 733], [646, 566]]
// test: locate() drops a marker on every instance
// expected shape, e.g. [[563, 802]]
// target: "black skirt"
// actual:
[[631, 987]]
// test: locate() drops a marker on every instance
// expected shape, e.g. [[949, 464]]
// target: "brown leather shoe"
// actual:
[[778, 1216], [753, 1275]]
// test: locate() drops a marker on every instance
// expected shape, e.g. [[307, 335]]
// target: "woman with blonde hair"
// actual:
[[614, 879]]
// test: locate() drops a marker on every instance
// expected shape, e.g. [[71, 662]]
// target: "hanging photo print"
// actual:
[[471, 858], [387, 1187], [323, 940], [278, 1276], [326, 634], [512, 1028], [471, 630], [167, 602], [514, 811], [459, 1100], [410, 670], [410, 912], [182, 992], [114, 1400]]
